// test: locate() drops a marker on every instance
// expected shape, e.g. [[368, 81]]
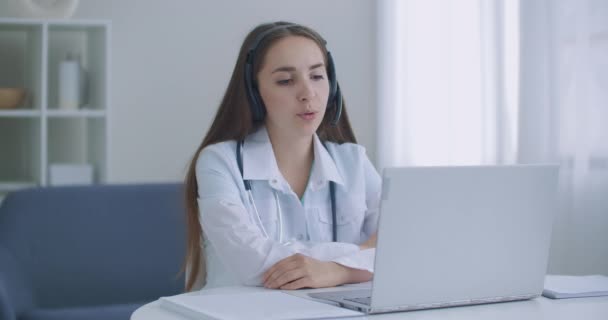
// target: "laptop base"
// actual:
[[352, 299]]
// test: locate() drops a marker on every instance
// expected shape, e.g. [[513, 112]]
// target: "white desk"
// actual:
[[539, 308]]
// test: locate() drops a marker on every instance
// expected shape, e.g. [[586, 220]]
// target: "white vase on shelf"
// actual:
[[72, 79]]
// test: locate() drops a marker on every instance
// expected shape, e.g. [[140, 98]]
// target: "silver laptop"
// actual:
[[451, 236]]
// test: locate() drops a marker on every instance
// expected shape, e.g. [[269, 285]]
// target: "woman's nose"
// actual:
[[306, 91]]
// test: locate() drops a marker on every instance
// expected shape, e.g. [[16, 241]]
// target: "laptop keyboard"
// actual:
[[360, 296], [362, 300]]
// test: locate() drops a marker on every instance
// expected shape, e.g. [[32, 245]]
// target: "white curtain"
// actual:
[[564, 118], [500, 82], [446, 92]]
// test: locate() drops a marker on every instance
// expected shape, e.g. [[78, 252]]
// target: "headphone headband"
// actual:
[[262, 35]]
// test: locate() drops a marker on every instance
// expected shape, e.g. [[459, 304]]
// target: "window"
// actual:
[[448, 76]]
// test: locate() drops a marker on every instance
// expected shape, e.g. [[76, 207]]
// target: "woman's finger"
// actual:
[[298, 284], [288, 277], [280, 270], [285, 264], [276, 267]]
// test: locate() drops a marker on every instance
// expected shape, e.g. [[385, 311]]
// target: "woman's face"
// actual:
[[294, 86]]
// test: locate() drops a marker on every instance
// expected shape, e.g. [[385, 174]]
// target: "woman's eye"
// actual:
[[284, 82], [317, 77]]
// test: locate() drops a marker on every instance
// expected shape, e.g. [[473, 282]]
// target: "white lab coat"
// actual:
[[237, 252]]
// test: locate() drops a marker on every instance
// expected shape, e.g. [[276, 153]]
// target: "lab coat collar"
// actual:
[[259, 162], [324, 168]]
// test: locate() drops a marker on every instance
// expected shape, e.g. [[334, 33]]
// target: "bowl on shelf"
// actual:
[[11, 98]]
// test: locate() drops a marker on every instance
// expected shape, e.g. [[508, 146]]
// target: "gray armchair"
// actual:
[[89, 252]]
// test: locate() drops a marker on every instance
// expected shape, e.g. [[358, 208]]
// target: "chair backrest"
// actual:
[[95, 245]]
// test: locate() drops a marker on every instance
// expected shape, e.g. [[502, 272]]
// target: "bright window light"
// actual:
[[453, 84]]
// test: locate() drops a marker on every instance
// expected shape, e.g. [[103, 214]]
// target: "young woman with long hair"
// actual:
[[278, 193]]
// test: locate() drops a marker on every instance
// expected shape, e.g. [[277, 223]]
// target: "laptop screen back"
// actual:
[[451, 234]]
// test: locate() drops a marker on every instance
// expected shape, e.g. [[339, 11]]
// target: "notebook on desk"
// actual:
[[264, 305], [561, 287], [452, 236]]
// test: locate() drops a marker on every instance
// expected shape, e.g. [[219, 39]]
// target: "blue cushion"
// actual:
[[96, 245], [110, 312]]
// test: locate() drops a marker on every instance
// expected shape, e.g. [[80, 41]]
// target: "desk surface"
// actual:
[[535, 309]]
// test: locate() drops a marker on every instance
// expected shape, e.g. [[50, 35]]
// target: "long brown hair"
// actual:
[[233, 121]]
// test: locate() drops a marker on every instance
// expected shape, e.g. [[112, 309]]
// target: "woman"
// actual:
[[278, 193]]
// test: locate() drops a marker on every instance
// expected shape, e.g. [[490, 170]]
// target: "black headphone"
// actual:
[[258, 109]]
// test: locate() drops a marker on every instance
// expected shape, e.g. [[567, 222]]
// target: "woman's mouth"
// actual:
[[308, 115]]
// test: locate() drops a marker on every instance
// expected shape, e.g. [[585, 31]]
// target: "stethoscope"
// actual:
[[247, 183]]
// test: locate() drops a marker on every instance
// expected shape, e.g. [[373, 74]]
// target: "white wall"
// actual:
[[171, 62]]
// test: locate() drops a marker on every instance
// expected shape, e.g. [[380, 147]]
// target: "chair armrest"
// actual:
[[15, 292]]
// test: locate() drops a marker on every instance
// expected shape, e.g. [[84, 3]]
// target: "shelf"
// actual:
[[38, 133], [76, 113], [53, 113], [88, 42], [18, 21], [78, 140], [21, 59], [13, 23], [32, 21], [20, 113], [9, 186], [20, 142]]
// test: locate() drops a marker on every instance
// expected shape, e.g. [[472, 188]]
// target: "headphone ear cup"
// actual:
[[335, 95], [258, 110], [258, 106], [331, 77], [338, 103]]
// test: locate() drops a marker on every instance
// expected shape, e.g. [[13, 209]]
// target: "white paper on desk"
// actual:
[[575, 286], [253, 306]]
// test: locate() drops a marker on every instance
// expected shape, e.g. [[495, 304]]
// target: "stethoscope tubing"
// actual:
[[247, 183]]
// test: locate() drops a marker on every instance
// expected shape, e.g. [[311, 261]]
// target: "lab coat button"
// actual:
[[273, 181]]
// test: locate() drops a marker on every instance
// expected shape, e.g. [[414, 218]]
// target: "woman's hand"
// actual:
[[370, 243], [300, 271]]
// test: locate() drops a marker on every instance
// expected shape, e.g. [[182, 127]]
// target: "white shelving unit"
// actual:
[[38, 133]]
